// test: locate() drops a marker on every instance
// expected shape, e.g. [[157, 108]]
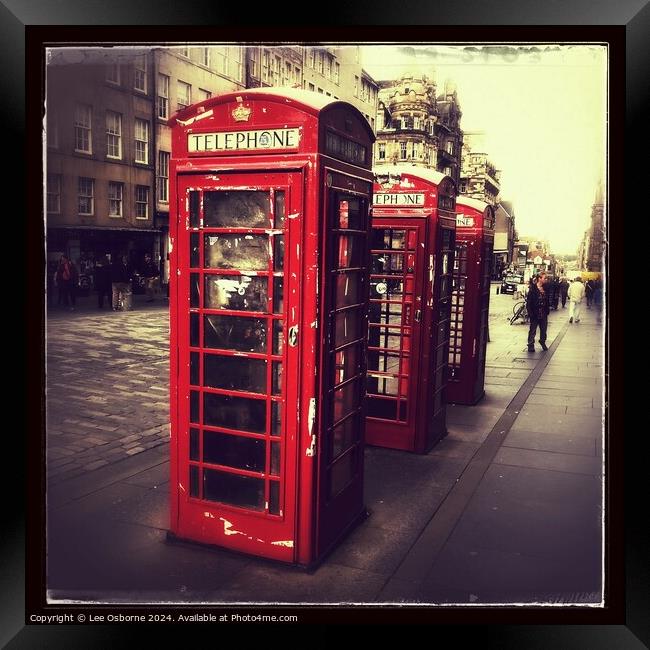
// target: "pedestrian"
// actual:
[[102, 282], [66, 280], [576, 293], [150, 274], [589, 292], [598, 299], [564, 289], [537, 304], [555, 294], [121, 276]]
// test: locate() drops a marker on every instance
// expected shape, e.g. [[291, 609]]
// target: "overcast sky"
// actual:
[[544, 118]]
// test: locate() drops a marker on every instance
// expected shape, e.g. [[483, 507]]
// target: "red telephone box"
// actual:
[[412, 249], [470, 300], [269, 222]]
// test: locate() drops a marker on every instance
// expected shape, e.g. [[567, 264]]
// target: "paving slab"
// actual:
[[551, 460]]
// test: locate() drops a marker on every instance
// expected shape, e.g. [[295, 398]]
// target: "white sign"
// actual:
[[383, 198], [244, 140], [462, 220]]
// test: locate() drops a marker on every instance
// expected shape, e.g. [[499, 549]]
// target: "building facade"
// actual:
[[479, 178], [109, 148], [595, 249], [418, 126], [504, 238]]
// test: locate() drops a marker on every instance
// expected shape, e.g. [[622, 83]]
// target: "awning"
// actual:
[[105, 228]]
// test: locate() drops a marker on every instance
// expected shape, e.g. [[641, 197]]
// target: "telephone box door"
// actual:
[[394, 331], [238, 380]]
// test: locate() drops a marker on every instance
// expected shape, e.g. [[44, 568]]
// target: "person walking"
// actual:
[[66, 280], [589, 292], [598, 300], [150, 274], [564, 289], [537, 304], [103, 282], [121, 275], [555, 294], [576, 293]]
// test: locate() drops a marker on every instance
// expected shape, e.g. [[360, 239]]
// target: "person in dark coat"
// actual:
[[537, 304], [564, 290], [121, 276], [102, 282], [67, 278], [150, 274], [555, 293], [589, 292]]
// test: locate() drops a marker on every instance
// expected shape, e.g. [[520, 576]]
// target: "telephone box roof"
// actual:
[[306, 100], [472, 203], [430, 175]]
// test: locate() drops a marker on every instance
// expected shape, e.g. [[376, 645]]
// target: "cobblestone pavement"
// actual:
[[107, 379]]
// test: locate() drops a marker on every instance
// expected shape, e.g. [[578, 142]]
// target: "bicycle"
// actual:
[[519, 311]]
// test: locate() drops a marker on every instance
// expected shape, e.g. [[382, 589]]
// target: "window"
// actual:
[[328, 66], [320, 90], [184, 98], [337, 72], [54, 193], [140, 78], [113, 135], [113, 73], [163, 176], [141, 141], [52, 133], [254, 63], [82, 129], [312, 58], [204, 94], [141, 202], [414, 149], [185, 51], [277, 69], [321, 60], [163, 96], [312, 87], [297, 76], [356, 86], [205, 56], [115, 192], [402, 150], [287, 73], [382, 151], [266, 66], [450, 147], [236, 62], [86, 196]]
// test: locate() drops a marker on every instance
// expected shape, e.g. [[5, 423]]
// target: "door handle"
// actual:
[[418, 315]]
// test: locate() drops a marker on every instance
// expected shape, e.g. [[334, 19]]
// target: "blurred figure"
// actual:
[[554, 294], [103, 282], [150, 274], [598, 300], [121, 275], [589, 292], [564, 290], [576, 294], [66, 280]]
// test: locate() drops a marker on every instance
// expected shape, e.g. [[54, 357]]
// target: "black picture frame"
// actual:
[[623, 626]]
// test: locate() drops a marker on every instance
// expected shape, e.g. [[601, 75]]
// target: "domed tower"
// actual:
[[406, 122]]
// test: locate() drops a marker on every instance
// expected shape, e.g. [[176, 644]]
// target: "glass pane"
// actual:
[[341, 473], [236, 209], [194, 368], [236, 292], [383, 361], [234, 373], [194, 406], [241, 333], [348, 289], [234, 451], [349, 214], [279, 209], [276, 418], [194, 209], [243, 491], [194, 250], [194, 330], [274, 498], [387, 313], [351, 251], [275, 459], [346, 363], [384, 338], [344, 435], [194, 481], [381, 408], [278, 253], [347, 327], [383, 385], [277, 377], [345, 400], [194, 289], [387, 263], [278, 295], [240, 252], [194, 444], [387, 239], [241, 413], [278, 336]]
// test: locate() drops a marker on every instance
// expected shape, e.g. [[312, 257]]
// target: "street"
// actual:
[[506, 508]]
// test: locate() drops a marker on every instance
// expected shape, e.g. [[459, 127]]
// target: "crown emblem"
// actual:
[[241, 113]]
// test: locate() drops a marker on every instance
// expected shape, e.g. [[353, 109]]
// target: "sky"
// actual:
[[544, 119]]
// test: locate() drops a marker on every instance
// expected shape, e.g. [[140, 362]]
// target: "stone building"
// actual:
[[505, 237], [479, 178], [595, 249]]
